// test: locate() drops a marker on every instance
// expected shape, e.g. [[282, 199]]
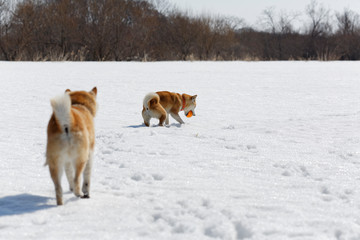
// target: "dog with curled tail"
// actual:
[[162, 104], [71, 140]]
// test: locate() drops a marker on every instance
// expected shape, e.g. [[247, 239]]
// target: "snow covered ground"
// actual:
[[273, 152]]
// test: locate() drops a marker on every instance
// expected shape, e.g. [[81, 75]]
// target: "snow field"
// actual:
[[272, 153]]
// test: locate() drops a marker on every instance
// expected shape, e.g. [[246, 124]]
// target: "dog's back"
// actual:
[[170, 101]]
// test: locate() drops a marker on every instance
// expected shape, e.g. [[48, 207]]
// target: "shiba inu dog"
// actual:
[[160, 104], [71, 140]]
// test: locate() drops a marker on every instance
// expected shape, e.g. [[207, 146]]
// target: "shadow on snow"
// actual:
[[178, 125], [136, 126], [23, 203]]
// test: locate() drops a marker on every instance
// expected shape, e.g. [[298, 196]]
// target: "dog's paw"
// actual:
[[86, 196], [78, 194]]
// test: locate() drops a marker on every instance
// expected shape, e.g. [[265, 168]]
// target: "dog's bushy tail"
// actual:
[[61, 106], [151, 99]]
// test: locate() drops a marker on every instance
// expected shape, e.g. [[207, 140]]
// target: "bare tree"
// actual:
[[279, 28], [348, 22], [318, 32], [319, 19], [348, 35], [162, 6], [142, 30], [182, 34], [4, 27]]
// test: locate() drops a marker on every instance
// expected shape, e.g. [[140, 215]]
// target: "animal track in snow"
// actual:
[[230, 147], [338, 234], [290, 169], [286, 174], [146, 177], [107, 151], [183, 228], [326, 194], [325, 190], [152, 153], [241, 231], [229, 127], [157, 177], [251, 147], [220, 230], [138, 177], [304, 171]]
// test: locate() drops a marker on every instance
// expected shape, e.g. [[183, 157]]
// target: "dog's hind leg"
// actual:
[[160, 114], [177, 117], [146, 117], [55, 173], [80, 165], [86, 176], [69, 170], [162, 120]]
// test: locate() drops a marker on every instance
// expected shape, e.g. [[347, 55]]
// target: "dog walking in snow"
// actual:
[[160, 104], [71, 139]]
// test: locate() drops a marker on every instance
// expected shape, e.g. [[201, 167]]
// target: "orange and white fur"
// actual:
[[160, 104], [71, 140]]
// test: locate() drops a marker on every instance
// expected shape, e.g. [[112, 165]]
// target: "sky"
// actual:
[[251, 10]]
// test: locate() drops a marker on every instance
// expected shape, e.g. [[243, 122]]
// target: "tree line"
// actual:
[[153, 30]]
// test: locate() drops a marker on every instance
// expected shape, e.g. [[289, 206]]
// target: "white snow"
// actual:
[[272, 153]]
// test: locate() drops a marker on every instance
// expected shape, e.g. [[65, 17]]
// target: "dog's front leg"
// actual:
[[177, 117], [167, 119]]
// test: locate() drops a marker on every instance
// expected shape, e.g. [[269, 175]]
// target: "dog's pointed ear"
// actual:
[[94, 91], [67, 90], [193, 98]]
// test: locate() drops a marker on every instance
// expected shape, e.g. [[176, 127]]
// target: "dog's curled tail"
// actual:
[[151, 99], [61, 106]]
